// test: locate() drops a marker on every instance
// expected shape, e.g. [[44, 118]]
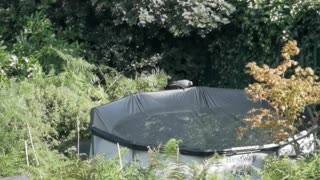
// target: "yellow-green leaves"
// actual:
[[287, 92]]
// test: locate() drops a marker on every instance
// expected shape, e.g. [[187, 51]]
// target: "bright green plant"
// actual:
[[171, 148], [39, 46], [120, 86], [285, 168], [51, 100]]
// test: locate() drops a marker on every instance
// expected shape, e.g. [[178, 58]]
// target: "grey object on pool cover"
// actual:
[[204, 118]]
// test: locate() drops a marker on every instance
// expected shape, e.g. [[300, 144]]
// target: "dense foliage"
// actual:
[[60, 58], [47, 91], [137, 36], [179, 17]]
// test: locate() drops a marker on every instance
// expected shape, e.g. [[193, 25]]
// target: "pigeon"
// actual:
[[180, 84]]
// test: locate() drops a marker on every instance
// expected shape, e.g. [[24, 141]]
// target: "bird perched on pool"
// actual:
[[180, 84]]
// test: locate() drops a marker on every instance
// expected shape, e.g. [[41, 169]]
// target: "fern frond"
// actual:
[[72, 63]]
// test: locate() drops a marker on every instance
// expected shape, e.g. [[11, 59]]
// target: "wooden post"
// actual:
[[34, 151], [120, 160], [78, 134], [178, 153], [26, 150]]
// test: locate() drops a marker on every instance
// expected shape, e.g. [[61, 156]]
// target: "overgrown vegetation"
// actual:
[[60, 58], [46, 90]]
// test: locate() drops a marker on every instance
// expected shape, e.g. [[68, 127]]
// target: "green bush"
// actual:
[[285, 168], [122, 86], [51, 100]]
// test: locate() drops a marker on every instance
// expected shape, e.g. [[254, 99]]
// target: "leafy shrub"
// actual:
[[179, 17], [171, 148], [122, 86], [285, 168], [287, 93], [51, 100]]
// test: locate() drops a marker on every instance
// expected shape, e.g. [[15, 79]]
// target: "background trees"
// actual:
[[207, 41]]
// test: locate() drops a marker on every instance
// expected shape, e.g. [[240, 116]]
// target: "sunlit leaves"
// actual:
[[179, 17], [287, 92]]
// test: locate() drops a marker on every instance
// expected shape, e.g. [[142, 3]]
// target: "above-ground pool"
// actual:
[[204, 119]]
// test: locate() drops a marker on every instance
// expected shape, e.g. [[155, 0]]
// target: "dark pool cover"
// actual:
[[204, 118]]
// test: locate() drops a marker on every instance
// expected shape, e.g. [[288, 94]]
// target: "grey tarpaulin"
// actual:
[[204, 118]]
